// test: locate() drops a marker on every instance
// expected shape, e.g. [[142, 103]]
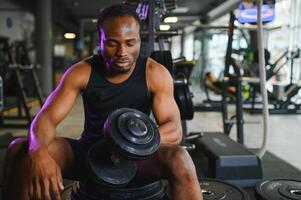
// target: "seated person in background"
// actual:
[[215, 84], [117, 77]]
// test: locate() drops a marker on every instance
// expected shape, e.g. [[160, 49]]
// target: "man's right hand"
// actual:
[[45, 180]]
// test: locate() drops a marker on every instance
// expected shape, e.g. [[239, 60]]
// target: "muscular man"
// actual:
[[117, 77]]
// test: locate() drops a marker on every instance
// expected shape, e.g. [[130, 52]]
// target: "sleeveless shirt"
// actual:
[[101, 97]]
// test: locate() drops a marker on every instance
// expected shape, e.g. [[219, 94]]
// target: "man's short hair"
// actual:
[[115, 11]]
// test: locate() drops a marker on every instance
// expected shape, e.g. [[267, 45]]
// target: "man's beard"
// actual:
[[120, 69]]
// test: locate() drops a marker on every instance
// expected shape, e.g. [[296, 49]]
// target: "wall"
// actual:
[[15, 22]]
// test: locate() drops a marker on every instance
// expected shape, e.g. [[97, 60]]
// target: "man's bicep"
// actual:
[[165, 109], [60, 102], [164, 105]]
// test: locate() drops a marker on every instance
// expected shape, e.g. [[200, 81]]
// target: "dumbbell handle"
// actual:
[[189, 147]]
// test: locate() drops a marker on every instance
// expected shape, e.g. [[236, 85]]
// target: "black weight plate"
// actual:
[[109, 168], [189, 103], [126, 146], [219, 190], [179, 94], [150, 191], [125, 139], [183, 98], [279, 189], [135, 128]]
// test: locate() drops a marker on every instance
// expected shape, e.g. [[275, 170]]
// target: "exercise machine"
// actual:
[[19, 79]]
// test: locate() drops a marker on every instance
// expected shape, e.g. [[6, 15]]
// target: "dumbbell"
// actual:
[[129, 135]]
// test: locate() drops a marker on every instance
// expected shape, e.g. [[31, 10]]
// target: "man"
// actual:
[[117, 77]]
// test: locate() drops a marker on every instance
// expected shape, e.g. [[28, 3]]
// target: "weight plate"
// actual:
[[180, 100], [279, 189], [133, 132], [134, 128], [151, 191], [190, 109], [107, 167], [183, 98], [219, 190]]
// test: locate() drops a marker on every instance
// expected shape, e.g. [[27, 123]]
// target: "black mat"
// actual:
[[273, 167]]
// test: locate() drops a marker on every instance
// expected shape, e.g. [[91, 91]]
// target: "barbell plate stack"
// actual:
[[278, 189]]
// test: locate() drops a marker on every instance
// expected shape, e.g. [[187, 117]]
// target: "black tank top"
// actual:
[[102, 97]]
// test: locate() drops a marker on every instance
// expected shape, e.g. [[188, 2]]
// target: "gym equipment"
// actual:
[[156, 10], [164, 58], [16, 68], [183, 97], [218, 190], [220, 157], [232, 80], [85, 191], [129, 135], [183, 69], [151, 13], [285, 105], [278, 189]]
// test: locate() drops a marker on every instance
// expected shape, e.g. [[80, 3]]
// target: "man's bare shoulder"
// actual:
[[157, 74], [82, 66], [157, 69], [78, 74]]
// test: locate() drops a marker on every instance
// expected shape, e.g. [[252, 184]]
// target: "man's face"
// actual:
[[120, 43]]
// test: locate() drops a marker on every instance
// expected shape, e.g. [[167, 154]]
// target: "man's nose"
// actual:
[[121, 51]]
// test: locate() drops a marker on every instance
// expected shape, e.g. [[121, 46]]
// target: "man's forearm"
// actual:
[[41, 133]]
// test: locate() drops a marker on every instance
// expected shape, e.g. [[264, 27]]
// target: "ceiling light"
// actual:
[[94, 20], [164, 27], [170, 19], [236, 23], [69, 35]]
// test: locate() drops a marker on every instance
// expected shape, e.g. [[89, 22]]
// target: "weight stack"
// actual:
[[217, 156]]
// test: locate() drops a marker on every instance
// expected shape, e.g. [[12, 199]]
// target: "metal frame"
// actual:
[[17, 71]]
